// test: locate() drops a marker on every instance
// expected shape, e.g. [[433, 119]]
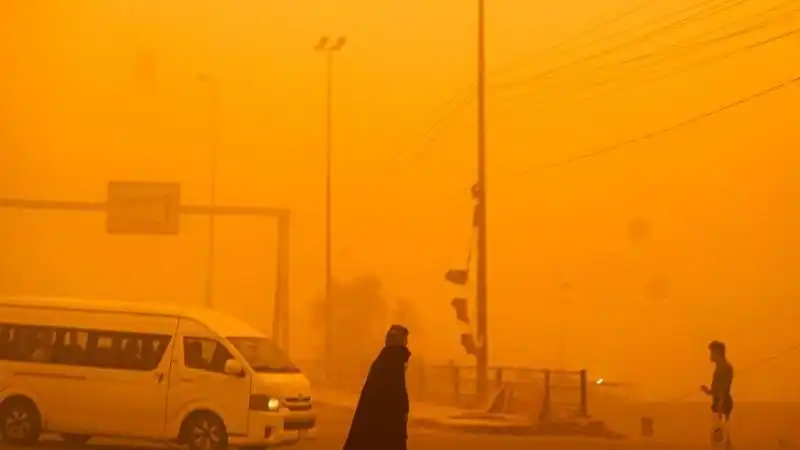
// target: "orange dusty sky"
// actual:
[[99, 90]]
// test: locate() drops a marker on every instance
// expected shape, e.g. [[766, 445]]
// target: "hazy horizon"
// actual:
[[627, 263]]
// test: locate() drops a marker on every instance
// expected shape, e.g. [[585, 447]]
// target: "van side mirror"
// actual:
[[234, 367]]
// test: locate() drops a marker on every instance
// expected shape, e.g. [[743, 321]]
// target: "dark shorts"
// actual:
[[723, 405]]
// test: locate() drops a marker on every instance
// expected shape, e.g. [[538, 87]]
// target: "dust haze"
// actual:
[[640, 179]]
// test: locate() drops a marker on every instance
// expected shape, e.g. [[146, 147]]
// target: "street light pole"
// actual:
[[328, 47], [482, 357], [212, 99]]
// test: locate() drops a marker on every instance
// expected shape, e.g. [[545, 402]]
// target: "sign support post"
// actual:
[[144, 208]]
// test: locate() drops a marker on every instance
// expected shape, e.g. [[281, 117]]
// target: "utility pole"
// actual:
[[564, 287], [212, 99], [329, 47], [482, 358]]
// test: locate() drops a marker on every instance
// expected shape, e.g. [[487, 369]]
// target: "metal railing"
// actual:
[[543, 393]]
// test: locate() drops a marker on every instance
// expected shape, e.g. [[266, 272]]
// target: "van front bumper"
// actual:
[[274, 429]]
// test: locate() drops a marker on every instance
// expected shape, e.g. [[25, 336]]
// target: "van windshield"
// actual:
[[263, 356]]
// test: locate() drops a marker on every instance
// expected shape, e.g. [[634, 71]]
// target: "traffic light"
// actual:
[[468, 342], [461, 306], [457, 276]]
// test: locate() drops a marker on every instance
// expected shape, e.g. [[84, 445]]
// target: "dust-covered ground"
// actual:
[[753, 425], [677, 426]]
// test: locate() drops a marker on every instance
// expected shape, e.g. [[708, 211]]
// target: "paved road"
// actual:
[[333, 429], [333, 425]]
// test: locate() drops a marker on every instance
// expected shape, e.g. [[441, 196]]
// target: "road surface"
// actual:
[[333, 425]]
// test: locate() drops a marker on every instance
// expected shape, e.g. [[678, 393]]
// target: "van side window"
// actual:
[[205, 354], [43, 344], [153, 349], [131, 351], [5, 338], [24, 343], [71, 348], [75, 347]]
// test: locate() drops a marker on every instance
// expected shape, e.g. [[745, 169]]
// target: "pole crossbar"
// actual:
[[65, 205], [281, 316]]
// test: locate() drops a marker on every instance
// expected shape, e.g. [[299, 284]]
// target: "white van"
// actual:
[[86, 369]]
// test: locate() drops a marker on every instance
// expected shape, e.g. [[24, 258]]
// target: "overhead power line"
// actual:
[[565, 42], [415, 156], [408, 155], [463, 96], [682, 51], [547, 73], [638, 139], [412, 152], [661, 131], [429, 134]]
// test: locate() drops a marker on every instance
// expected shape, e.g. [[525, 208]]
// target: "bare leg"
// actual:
[[720, 432]]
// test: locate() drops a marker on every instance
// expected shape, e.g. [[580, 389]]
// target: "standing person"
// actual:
[[381, 416], [720, 393]]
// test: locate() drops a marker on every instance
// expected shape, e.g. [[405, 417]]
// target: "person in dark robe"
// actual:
[[381, 416]]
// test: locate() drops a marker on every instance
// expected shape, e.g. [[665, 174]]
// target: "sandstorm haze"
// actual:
[[626, 264]]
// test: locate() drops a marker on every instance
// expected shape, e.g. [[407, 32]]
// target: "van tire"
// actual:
[[75, 439], [204, 430], [20, 421]]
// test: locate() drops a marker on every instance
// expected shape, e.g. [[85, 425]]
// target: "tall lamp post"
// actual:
[[328, 47], [482, 332], [213, 109]]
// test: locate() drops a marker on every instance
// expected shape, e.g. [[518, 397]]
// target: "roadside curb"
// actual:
[[520, 429], [596, 430]]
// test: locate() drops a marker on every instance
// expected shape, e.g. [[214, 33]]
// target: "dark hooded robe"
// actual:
[[380, 418]]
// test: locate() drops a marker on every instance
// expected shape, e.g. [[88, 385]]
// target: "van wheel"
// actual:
[[75, 439], [204, 431], [20, 420]]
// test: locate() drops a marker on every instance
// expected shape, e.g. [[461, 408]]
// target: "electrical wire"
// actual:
[[684, 123], [641, 138], [446, 112], [683, 49], [656, 133], [682, 69], [748, 369], [687, 45], [714, 9], [666, 74], [439, 206], [414, 153], [465, 90], [438, 123], [565, 42]]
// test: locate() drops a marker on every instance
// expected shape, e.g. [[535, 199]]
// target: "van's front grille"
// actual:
[[296, 424], [299, 403]]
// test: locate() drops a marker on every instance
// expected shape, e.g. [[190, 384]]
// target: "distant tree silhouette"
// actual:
[[360, 315]]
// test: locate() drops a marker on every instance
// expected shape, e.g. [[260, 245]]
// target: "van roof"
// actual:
[[221, 323]]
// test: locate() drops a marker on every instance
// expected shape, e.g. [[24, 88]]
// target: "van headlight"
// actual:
[[264, 403]]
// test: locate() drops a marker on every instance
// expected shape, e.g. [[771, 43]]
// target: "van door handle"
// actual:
[[159, 376]]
